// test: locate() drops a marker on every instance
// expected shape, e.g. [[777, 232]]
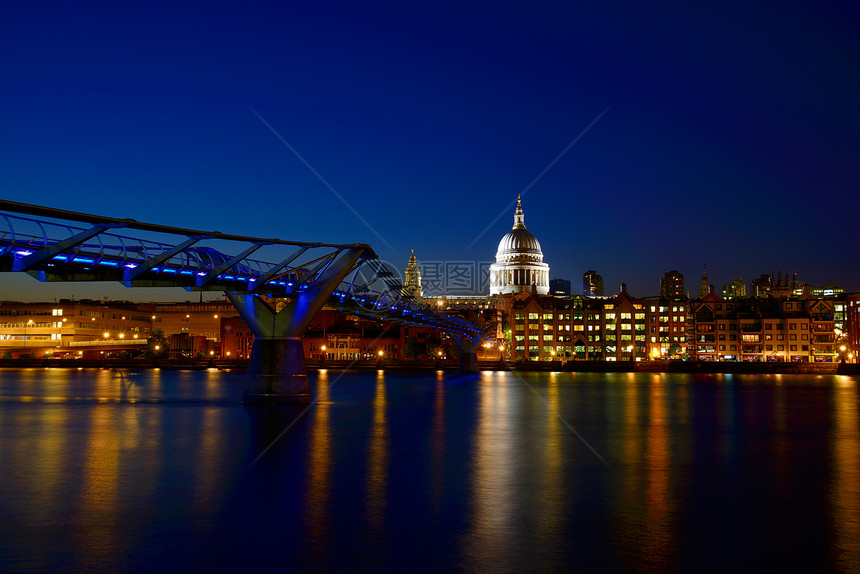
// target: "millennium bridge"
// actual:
[[58, 245]]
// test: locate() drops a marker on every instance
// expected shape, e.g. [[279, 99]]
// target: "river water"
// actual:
[[141, 471]]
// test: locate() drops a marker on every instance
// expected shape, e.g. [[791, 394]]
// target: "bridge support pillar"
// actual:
[[276, 372], [468, 362], [468, 349]]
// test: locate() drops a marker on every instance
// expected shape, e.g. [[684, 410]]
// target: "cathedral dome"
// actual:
[[519, 242], [519, 262]]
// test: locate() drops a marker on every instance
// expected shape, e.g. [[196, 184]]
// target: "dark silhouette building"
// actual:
[[672, 284], [559, 287]]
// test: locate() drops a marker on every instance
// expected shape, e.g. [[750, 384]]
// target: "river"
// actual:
[[158, 470]]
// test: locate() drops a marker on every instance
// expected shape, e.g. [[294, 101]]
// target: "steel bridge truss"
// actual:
[[51, 245]]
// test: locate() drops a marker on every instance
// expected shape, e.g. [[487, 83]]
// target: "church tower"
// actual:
[[704, 289], [412, 279]]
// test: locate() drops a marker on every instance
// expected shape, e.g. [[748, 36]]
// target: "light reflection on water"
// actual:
[[143, 470]]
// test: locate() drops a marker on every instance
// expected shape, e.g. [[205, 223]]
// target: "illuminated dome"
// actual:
[[520, 244], [519, 262]]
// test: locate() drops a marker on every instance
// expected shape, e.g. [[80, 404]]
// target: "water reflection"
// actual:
[[437, 447], [551, 483], [483, 468], [318, 488], [97, 512], [659, 536], [493, 493], [845, 489], [377, 459], [647, 505]]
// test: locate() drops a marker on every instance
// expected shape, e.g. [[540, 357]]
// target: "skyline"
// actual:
[[642, 140]]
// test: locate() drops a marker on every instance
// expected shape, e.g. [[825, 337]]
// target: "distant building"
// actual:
[[592, 284], [672, 284], [849, 336], [559, 287], [762, 286], [412, 279], [737, 289], [827, 291]]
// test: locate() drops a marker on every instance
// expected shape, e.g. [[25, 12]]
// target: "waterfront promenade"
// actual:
[[739, 367]]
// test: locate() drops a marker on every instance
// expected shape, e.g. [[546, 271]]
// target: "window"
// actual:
[[794, 347], [626, 316], [519, 316], [533, 316]]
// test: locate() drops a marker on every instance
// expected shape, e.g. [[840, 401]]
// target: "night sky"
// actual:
[[716, 134]]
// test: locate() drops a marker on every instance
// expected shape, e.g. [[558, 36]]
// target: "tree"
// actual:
[[412, 349], [156, 344]]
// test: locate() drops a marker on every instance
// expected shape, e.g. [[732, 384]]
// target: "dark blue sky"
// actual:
[[731, 133]]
